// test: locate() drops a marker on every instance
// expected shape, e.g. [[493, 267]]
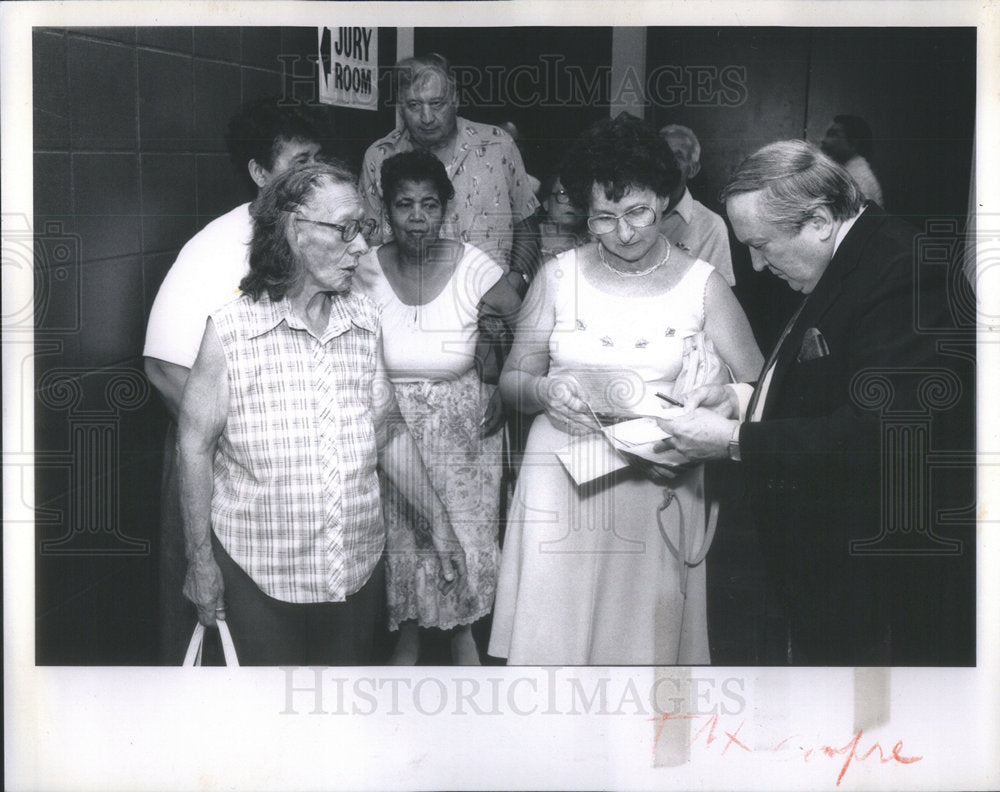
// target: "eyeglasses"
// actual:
[[348, 230], [561, 196], [637, 217]]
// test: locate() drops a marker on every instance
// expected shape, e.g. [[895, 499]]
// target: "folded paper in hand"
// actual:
[[596, 455]]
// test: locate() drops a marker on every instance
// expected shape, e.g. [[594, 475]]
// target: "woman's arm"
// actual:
[[400, 459], [525, 382], [728, 328], [203, 410]]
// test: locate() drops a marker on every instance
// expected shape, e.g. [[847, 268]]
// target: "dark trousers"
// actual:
[[269, 632]]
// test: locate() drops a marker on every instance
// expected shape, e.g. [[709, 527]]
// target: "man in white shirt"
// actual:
[[264, 140], [810, 438], [688, 223]]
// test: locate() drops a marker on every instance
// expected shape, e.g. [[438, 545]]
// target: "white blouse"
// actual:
[[437, 340]]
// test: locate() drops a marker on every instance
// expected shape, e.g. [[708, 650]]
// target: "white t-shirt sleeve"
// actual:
[[205, 276], [483, 271]]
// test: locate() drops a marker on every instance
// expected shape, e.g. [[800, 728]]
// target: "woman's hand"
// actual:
[[493, 417], [659, 474], [203, 586], [450, 555], [560, 395]]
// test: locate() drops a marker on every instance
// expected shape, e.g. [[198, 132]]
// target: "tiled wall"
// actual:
[[129, 163]]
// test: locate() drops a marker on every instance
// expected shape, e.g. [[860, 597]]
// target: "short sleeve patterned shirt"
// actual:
[[296, 496], [492, 190]]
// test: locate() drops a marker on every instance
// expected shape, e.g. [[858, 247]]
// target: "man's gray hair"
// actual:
[[795, 179], [412, 70], [680, 131]]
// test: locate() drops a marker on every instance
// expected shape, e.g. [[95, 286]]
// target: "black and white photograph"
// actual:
[[500, 395]]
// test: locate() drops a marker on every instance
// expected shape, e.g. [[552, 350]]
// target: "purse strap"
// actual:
[[193, 655], [680, 550]]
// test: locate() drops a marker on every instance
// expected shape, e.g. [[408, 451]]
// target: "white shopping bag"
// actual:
[[193, 656]]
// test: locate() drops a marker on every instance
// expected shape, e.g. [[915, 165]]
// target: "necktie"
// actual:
[[762, 384]]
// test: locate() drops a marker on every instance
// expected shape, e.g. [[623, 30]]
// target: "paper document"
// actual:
[[592, 456]]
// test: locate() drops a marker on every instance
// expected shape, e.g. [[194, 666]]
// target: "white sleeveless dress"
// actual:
[[586, 577]]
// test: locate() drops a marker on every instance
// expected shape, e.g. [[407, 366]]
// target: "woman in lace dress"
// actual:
[[587, 575], [428, 289]]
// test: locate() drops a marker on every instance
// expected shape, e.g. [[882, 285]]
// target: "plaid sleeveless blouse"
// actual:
[[296, 497]]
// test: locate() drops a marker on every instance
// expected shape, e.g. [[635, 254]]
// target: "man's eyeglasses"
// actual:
[[637, 217], [561, 196], [348, 230]]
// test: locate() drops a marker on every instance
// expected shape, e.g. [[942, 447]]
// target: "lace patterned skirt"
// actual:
[[464, 468]]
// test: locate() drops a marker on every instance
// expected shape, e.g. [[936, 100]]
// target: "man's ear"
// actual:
[[257, 172], [693, 169], [822, 223]]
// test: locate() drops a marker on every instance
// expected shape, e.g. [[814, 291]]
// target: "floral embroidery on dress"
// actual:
[[607, 341], [670, 333], [642, 343], [580, 325]]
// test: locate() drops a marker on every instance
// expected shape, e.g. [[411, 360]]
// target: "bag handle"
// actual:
[[681, 553], [193, 656]]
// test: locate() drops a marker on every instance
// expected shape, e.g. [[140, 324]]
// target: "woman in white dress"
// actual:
[[587, 576], [429, 290]]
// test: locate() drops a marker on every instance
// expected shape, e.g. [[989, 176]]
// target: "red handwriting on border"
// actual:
[[707, 731]]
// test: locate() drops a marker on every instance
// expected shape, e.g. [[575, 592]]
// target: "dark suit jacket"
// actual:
[[813, 464]]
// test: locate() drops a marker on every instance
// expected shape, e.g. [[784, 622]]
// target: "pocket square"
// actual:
[[813, 346]]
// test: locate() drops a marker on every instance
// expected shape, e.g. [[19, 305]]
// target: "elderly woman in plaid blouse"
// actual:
[[284, 418]]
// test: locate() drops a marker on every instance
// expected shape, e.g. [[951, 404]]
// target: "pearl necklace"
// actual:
[[640, 273]]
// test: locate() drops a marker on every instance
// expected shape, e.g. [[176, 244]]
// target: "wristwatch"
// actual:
[[734, 444]]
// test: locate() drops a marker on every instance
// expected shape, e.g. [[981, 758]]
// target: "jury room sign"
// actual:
[[348, 67]]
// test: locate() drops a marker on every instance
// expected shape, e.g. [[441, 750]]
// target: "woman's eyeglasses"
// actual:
[[561, 196], [348, 230], [637, 217]]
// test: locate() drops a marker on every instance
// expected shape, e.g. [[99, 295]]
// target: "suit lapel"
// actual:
[[823, 297]]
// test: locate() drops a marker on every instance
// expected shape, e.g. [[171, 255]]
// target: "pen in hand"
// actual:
[[669, 400]]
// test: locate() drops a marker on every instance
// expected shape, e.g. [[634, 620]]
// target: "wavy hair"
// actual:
[[622, 154], [273, 267], [795, 179]]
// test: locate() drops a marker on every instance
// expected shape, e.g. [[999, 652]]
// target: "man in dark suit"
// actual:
[[831, 480]]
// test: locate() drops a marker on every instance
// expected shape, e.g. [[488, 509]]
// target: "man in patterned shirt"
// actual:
[[286, 413], [493, 194]]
